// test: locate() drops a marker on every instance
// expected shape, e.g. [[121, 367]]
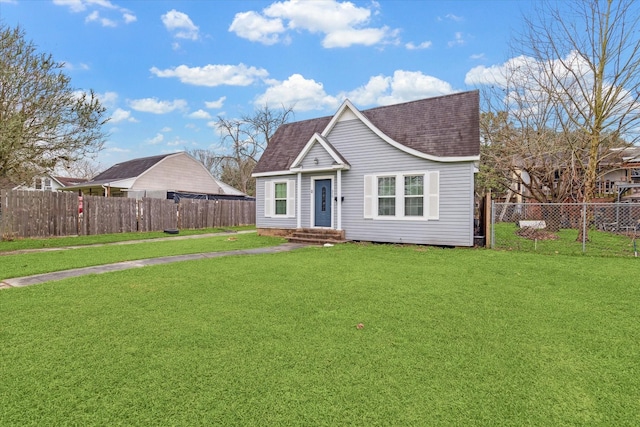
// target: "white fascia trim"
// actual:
[[316, 138], [347, 104], [273, 173], [123, 183], [294, 171]]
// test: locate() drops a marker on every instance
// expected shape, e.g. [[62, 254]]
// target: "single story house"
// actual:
[[166, 176], [47, 182], [401, 173]]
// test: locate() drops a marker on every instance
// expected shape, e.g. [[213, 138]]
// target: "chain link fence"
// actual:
[[603, 229]]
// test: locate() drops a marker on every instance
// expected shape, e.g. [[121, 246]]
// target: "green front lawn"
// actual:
[[450, 337], [57, 242], [19, 265]]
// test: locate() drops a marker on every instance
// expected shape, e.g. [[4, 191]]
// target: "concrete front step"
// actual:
[[317, 236]]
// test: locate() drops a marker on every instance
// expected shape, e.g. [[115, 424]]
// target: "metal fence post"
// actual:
[[584, 227], [493, 223]]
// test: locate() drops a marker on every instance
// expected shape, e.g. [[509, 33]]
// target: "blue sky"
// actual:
[[167, 69]]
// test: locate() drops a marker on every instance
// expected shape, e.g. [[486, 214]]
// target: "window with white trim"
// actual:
[[279, 198], [413, 195], [387, 196]]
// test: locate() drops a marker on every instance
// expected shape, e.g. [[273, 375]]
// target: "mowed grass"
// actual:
[[450, 337], [59, 242], [20, 265], [599, 244]]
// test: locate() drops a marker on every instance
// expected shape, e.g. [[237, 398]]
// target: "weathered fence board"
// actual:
[[43, 214], [38, 214], [157, 214]]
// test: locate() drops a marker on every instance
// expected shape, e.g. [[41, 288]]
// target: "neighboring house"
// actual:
[[47, 182], [618, 178], [401, 173], [167, 176], [624, 178]]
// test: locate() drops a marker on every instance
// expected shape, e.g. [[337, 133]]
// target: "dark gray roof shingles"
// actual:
[[445, 126], [129, 169]]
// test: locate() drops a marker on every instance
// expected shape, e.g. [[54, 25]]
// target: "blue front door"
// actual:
[[323, 203]]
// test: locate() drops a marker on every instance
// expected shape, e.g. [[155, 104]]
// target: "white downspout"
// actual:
[[339, 204], [299, 202]]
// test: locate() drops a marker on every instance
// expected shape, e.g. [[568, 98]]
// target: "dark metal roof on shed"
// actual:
[[130, 169], [445, 127]]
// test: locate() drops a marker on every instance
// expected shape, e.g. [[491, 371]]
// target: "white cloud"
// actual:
[[129, 18], [351, 36], [477, 56], [155, 140], [453, 17], [402, 87], [423, 45], [117, 150], [496, 74], [342, 23], [200, 114], [95, 5], [307, 94], [95, 16], [180, 25], [457, 41], [108, 99], [120, 115], [74, 5], [215, 104], [370, 92], [176, 142], [166, 129], [214, 75], [256, 28], [153, 105], [304, 94], [71, 67]]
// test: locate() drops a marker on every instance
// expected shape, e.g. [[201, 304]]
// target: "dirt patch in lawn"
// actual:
[[536, 234]]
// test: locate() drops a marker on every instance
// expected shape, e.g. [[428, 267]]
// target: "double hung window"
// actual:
[[279, 198], [412, 195]]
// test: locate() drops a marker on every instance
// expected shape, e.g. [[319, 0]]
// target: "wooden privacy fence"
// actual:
[[45, 214]]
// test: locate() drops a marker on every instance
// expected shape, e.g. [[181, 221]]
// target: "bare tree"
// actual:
[[208, 158], [43, 120], [82, 168], [587, 61], [571, 92], [242, 142]]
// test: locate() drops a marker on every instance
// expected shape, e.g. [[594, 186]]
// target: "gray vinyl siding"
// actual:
[[368, 154], [317, 152], [272, 222]]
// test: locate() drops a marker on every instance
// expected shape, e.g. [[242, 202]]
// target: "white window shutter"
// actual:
[[291, 198], [369, 196], [433, 195], [268, 199]]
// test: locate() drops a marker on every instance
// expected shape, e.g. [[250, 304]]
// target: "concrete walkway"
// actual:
[[18, 282], [127, 242]]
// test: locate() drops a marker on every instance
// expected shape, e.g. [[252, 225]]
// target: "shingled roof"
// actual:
[[443, 127], [130, 169]]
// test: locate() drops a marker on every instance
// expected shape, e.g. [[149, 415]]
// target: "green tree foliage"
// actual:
[[44, 121]]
